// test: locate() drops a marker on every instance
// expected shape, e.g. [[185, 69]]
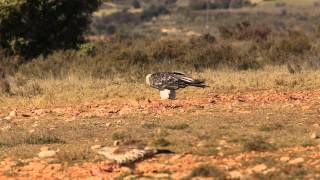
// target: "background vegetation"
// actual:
[[29, 28], [129, 39]]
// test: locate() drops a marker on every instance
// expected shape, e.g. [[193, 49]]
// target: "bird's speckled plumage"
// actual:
[[172, 81], [127, 155]]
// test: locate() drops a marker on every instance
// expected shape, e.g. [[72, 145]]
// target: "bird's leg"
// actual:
[[167, 94]]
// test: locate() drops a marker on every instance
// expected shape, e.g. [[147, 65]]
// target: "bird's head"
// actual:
[[148, 79]]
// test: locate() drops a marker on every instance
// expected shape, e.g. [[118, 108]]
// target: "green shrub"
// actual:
[[33, 27], [153, 11]]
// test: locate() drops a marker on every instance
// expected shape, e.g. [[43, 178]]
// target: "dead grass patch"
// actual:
[[206, 171], [257, 144]]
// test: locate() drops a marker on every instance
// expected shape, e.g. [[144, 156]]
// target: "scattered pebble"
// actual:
[[284, 159], [314, 135], [95, 147], [296, 161], [31, 131], [161, 176], [125, 170], [116, 143], [108, 124], [235, 175], [13, 114], [202, 144], [259, 168], [47, 154], [222, 142], [130, 177], [7, 118], [44, 148], [316, 125]]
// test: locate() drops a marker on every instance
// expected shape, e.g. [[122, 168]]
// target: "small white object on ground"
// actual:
[[167, 94], [315, 135], [47, 154], [13, 114]]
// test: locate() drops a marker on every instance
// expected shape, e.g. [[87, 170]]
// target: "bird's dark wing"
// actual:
[[173, 80], [164, 80]]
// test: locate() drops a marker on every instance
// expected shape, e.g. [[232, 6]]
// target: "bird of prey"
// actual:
[[172, 81], [123, 155]]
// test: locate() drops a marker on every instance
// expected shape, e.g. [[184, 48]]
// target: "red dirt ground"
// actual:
[[180, 165]]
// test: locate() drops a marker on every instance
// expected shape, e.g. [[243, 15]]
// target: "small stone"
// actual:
[[158, 131], [296, 161], [116, 143], [47, 154], [284, 159], [130, 177], [235, 175], [44, 148], [269, 170], [119, 122], [259, 168], [222, 142], [7, 118], [316, 125], [314, 135], [95, 147], [13, 114], [161, 176], [175, 157], [108, 124], [35, 125], [125, 170], [202, 144]]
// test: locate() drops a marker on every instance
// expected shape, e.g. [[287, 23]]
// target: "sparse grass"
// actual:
[[257, 144], [271, 127], [180, 126], [120, 135], [206, 171], [43, 138], [11, 138], [74, 154], [161, 142], [61, 91], [150, 125]]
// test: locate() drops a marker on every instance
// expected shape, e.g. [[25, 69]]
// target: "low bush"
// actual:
[[133, 58]]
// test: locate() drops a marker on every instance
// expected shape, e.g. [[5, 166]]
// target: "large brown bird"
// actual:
[[171, 81]]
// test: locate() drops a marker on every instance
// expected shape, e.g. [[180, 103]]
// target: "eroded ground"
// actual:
[[260, 134]]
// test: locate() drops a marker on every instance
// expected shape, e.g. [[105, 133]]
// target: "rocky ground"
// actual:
[[256, 135]]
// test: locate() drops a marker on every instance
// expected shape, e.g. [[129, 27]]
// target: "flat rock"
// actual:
[[95, 147], [259, 168], [284, 159], [161, 176], [296, 161], [7, 118], [47, 154], [314, 135], [13, 114], [235, 175], [130, 177]]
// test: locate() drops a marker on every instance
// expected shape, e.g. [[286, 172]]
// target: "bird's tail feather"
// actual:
[[199, 83]]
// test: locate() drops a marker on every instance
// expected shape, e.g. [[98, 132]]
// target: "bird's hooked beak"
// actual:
[[148, 79]]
